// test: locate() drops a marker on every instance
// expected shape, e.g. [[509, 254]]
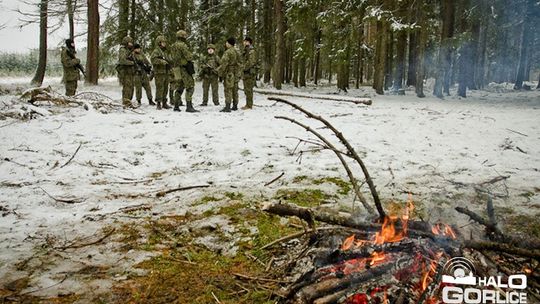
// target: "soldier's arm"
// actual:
[[67, 61], [252, 60], [223, 64], [157, 59], [123, 57]]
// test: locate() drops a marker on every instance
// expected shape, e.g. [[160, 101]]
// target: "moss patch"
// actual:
[[305, 197]]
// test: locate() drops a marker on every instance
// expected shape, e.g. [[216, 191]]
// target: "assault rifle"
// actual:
[[78, 66]]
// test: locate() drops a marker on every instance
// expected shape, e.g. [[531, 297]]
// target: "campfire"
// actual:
[[393, 258]]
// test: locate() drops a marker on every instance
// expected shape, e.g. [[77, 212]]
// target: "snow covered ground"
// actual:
[[437, 150]]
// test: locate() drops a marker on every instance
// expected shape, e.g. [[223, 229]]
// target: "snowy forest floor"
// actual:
[[92, 229]]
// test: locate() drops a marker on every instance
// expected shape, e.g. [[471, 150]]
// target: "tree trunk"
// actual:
[[279, 63], [317, 67], [133, 20], [442, 79], [267, 40], [92, 56], [465, 51], [42, 62], [525, 45], [482, 48], [538, 85], [411, 71], [380, 58], [422, 36], [302, 72], [123, 19], [71, 22], [295, 72], [400, 60]]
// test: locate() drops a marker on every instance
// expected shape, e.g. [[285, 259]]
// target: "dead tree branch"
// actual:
[[165, 192]]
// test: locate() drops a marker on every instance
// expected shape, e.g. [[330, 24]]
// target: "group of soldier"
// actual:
[[172, 69]]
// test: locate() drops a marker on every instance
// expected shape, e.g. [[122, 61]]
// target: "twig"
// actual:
[[215, 298], [517, 132], [72, 157], [274, 180], [352, 153], [75, 246], [9, 124], [63, 200], [165, 192], [295, 235]]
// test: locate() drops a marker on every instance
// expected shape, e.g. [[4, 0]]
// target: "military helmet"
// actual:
[[127, 40], [181, 34], [160, 39], [211, 46]]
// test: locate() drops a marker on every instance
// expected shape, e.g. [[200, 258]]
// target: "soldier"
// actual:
[[183, 70], [228, 69], [162, 68], [126, 70], [143, 75], [249, 71], [72, 66], [209, 75]]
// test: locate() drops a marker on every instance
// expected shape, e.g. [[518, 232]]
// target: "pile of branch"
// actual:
[[355, 100], [28, 105]]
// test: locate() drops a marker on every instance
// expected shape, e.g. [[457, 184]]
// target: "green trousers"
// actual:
[[141, 81], [249, 84], [71, 87], [210, 81], [162, 87], [127, 88]]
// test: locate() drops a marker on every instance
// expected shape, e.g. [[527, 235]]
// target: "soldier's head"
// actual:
[[230, 42], [137, 48], [70, 43], [211, 48], [182, 35], [161, 41], [128, 42], [248, 41]]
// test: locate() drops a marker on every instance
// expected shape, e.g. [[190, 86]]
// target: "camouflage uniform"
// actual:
[[141, 79], [161, 63], [126, 71], [209, 76], [228, 69], [249, 74], [181, 57], [71, 71]]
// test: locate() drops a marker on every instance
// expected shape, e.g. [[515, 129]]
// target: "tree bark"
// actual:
[[279, 63], [71, 23], [123, 19], [267, 40], [525, 45], [317, 67], [400, 60], [442, 79], [465, 52], [380, 58], [92, 57], [420, 52], [302, 72], [42, 62]]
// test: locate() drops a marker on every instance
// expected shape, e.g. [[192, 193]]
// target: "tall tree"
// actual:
[[442, 79], [70, 7], [422, 37], [123, 19], [380, 57], [527, 31], [42, 62], [92, 55], [279, 62]]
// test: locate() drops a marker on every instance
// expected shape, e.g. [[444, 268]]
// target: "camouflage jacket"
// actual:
[[209, 65], [69, 63], [229, 63], [142, 63], [160, 61], [250, 60], [126, 63], [180, 54]]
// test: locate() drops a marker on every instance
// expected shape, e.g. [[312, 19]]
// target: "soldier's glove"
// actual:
[[190, 68]]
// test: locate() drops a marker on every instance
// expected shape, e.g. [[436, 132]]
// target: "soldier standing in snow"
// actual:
[[183, 70], [71, 66], [209, 75], [228, 69], [162, 68], [126, 70], [143, 75], [249, 71]]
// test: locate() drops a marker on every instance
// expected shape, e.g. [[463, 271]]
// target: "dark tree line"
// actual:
[[388, 44]]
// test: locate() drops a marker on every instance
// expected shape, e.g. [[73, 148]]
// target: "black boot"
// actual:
[[151, 102], [165, 105], [159, 105], [235, 107], [177, 109], [189, 107], [227, 107]]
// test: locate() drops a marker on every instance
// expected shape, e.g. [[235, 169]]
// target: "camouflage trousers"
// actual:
[[162, 87], [183, 81], [141, 81], [249, 84], [71, 87], [127, 88], [210, 80], [230, 85]]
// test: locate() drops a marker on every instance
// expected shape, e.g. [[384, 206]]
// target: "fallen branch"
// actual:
[[364, 101], [74, 245], [243, 276], [165, 192], [339, 155], [72, 156], [275, 179], [502, 247], [479, 219], [352, 153], [63, 200]]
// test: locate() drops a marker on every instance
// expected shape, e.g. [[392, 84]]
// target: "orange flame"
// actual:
[[444, 230]]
